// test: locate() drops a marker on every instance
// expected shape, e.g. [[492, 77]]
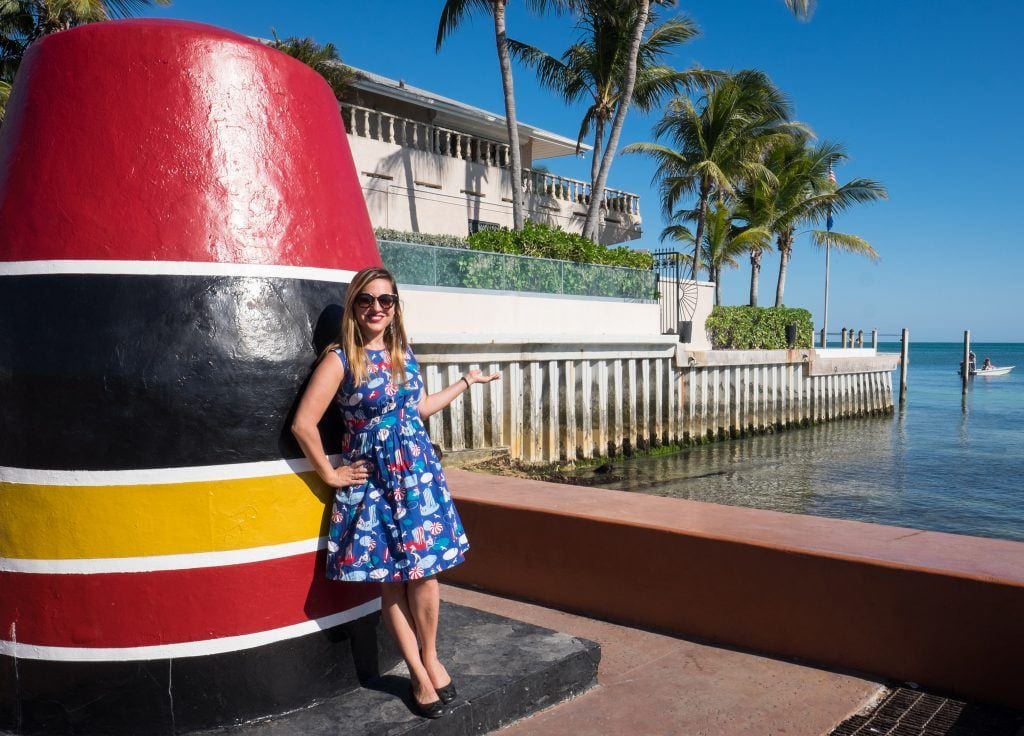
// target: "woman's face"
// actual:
[[373, 318]]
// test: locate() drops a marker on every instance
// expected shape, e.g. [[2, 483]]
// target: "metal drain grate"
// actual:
[[907, 712]]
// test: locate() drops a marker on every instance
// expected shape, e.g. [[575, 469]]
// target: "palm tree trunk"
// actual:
[[755, 274], [785, 248], [718, 286], [592, 225], [515, 154], [702, 214], [595, 161]]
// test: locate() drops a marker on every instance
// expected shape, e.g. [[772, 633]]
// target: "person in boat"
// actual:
[[393, 521], [972, 362], [987, 365]]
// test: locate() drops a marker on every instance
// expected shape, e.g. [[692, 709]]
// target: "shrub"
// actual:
[[758, 328], [543, 241], [404, 236]]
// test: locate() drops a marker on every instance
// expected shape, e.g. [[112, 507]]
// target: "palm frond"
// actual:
[[454, 14], [552, 73], [321, 58], [844, 242], [678, 233]]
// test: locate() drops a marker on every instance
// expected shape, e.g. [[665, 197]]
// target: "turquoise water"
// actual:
[[942, 463]]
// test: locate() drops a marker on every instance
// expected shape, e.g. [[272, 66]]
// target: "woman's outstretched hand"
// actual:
[[478, 376], [350, 475]]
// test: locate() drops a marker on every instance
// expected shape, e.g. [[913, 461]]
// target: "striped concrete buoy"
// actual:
[[179, 211]]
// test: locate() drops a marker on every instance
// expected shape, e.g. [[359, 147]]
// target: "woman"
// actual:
[[393, 519]]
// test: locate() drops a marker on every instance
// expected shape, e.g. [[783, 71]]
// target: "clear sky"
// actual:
[[926, 95]]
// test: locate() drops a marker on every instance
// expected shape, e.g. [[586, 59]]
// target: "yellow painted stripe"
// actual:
[[51, 522]]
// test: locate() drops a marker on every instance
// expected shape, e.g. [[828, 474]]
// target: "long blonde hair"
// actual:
[[350, 339]]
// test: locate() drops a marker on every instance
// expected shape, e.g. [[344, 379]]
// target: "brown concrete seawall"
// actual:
[[943, 610]]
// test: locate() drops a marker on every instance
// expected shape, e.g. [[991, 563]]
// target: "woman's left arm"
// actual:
[[433, 403]]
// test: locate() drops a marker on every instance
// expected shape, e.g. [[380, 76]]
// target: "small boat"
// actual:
[[993, 371]]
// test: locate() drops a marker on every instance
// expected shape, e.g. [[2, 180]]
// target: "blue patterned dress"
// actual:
[[401, 523]]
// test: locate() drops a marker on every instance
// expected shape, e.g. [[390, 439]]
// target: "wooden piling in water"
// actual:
[[965, 369], [904, 360]]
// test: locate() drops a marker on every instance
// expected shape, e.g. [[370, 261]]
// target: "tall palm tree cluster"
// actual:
[[755, 175], [616, 62], [24, 21], [726, 140]]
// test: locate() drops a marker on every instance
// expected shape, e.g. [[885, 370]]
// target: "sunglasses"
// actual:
[[364, 300]]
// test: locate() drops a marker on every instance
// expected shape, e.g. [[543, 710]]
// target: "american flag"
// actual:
[[831, 178]]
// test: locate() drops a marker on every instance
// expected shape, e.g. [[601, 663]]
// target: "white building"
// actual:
[[431, 164]]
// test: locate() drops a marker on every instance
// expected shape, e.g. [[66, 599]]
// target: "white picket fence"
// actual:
[[582, 399]]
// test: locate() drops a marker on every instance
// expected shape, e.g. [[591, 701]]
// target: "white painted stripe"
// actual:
[[154, 563], [20, 650], [157, 476], [174, 268]]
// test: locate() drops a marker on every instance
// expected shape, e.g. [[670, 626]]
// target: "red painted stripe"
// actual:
[[143, 609], [195, 144]]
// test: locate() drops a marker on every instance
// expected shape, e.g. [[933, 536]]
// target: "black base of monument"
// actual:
[[162, 697], [504, 670]]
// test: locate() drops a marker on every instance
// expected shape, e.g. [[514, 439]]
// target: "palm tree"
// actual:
[[453, 14], [593, 68], [717, 143], [321, 58], [800, 193], [724, 240], [640, 11], [24, 21], [752, 209]]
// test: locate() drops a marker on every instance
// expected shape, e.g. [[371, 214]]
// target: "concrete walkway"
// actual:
[[654, 684]]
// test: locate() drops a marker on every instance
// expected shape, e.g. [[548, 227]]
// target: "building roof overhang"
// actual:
[[459, 116]]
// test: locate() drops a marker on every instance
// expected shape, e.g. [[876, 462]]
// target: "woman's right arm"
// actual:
[[323, 385]]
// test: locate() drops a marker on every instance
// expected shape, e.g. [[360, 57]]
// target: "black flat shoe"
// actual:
[[447, 693], [429, 710]]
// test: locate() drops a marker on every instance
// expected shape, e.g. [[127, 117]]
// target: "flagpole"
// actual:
[[824, 326], [828, 247]]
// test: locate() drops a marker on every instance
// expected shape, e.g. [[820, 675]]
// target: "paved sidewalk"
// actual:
[[660, 685]]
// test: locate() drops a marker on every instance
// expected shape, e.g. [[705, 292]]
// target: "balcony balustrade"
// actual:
[[387, 128]]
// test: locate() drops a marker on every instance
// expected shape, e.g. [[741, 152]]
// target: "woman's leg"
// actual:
[[394, 607], [424, 601]]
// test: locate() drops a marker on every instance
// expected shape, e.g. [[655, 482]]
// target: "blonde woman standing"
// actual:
[[393, 521]]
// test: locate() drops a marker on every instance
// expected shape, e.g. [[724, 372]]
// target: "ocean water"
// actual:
[[942, 463]]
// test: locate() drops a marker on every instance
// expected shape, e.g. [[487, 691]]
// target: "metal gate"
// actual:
[[676, 293]]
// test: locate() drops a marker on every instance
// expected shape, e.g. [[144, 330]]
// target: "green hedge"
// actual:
[[758, 328], [404, 236], [543, 241]]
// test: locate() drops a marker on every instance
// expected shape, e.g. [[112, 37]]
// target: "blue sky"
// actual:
[[925, 94]]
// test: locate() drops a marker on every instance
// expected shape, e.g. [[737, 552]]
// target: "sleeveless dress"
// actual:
[[401, 524]]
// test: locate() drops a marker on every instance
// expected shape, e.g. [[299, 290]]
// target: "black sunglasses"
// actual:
[[364, 300]]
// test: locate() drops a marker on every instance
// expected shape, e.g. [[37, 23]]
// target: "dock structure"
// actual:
[[562, 401]]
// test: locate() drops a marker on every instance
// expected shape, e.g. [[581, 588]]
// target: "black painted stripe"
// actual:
[[105, 372], [191, 693]]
